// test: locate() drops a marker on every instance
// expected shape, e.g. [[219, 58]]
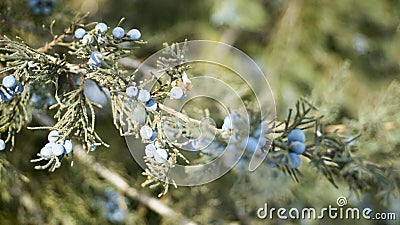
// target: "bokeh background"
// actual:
[[341, 54]]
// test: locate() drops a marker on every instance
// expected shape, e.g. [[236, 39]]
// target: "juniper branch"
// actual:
[[119, 182]]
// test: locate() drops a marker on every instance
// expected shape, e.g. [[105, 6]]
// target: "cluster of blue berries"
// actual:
[[117, 33], [96, 57], [133, 34], [2, 145], [142, 96], [55, 146], [154, 149], [146, 133], [41, 7], [296, 139], [253, 144], [114, 213], [11, 87], [87, 38]]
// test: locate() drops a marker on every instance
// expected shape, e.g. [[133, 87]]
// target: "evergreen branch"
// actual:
[[119, 182]]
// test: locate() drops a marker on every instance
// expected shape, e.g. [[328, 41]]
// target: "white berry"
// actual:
[[150, 150], [102, 27], [176, 93], [87, 39], [144, 96], [146, 132], [132, 91], [9, 81], [79, 33], [53, 136], [134, 34], [45, 151], [57, 149], [2, 145], [160, 155], [67, 146]]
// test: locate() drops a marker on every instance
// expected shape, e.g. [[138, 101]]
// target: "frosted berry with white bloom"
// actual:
[[46, 151], [79, 33], [132, 91], [297, 147], [50, 145], [57, 149], [87, 39], [143, 96], [134, 34], [102, 27], [96, 58], [146, 132], [176, 93], [53, 136], [9, 82], [151, 105], [118, 32], [296, 135], [150, 150], [160, 155], [2, 145], [67, 146], [294, 160]]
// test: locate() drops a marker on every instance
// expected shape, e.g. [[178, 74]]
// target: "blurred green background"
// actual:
[[342, 54]]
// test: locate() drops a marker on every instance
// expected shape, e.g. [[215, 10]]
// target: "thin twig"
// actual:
[[177, 114], [53, 43]]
